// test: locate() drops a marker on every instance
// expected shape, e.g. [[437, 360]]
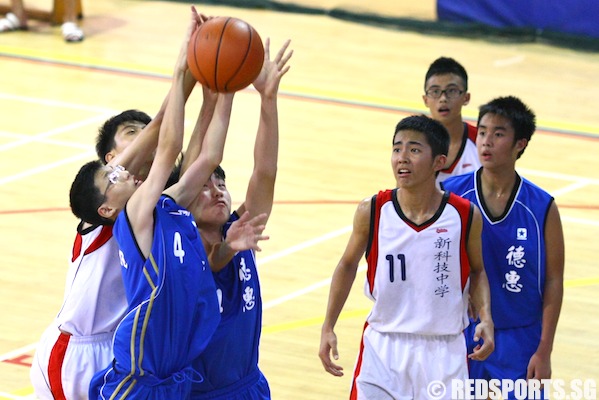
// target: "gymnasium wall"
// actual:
[[567, 23], [576, 17]]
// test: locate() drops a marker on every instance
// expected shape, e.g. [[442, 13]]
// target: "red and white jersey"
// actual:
[[418, 275], [94, 299], [467, 159]]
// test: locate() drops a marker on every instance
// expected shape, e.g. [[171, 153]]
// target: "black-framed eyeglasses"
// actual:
[[450, 93], [113, 177]]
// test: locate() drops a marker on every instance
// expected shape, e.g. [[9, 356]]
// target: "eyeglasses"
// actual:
[[113, 177], [450, 93]]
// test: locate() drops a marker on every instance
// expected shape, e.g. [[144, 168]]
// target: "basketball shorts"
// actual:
[[63, 365], [252, 387], [393, 366], [513, 350]]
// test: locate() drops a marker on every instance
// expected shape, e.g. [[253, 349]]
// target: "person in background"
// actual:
[[17, 20], [445, 93], [522, 245]]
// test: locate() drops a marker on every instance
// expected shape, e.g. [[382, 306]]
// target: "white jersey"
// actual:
[[467, 159], [418, 275], [78, 343], [94, 300]]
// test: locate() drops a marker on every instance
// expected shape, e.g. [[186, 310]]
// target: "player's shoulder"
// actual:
[[534, 193], [458, 183], [460, 203]]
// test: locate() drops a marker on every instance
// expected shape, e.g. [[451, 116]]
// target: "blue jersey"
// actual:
[[173, 309], [232, 353], [513, 249]]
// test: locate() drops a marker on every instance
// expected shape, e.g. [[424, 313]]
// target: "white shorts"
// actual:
[[68, 363], [393, 366]]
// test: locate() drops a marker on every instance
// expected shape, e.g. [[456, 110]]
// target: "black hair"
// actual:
[[435, 133], [85, 198], [446, 65], [219, 172], [521, 117], [105, 139]]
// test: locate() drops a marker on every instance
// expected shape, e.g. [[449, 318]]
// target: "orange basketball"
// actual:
[[225, 54]]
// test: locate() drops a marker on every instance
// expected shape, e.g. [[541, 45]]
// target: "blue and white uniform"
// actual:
[[514, 257], [173, 310], [229, 364]]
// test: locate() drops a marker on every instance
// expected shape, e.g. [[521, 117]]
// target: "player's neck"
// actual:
[[419, 205], [455, 129], [498, 183], [211, 235]]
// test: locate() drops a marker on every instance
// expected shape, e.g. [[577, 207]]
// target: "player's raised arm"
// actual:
[[141, 205], [260, 192]]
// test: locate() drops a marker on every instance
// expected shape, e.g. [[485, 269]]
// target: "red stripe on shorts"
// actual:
[[55, 366]]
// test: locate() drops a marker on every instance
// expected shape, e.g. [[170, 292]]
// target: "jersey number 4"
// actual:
[[178, 247], [402, 266]]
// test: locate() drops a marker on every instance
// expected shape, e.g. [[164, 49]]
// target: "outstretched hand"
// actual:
[[267, 82], [194, 23], [246, 232]]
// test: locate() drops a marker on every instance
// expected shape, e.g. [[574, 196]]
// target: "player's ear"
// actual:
[[109, 156], [466, 98], [439, 162], [521, 144], [105, 211]]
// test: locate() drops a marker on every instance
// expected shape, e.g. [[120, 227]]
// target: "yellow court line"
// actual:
[[53, 56], [76, 59], [286, 326], [25, 393], [581, 282]]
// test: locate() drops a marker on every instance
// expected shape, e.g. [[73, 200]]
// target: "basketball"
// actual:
[[225, 54]]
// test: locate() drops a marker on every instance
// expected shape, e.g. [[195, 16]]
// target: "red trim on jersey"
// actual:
[[55, 366], [354, 390], [373, 251], [464, 208], [77, 247], [470, 133], [103, 237]]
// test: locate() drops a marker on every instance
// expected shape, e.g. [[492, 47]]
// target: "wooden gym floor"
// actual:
[[348, 86]]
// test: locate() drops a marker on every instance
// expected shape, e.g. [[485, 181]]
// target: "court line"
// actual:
[[580, 221], [570, 283], [555, 175], [276, 328], [305, 245], [347, 99], [46, 167], [54, 103], [8, 396], [327, 281], [286, 326], [52, 132], [63, 143], [578, 183], [18, 352]]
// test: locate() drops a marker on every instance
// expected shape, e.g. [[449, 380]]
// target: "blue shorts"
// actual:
[[252, 387], [513, 349], [111, 383]]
